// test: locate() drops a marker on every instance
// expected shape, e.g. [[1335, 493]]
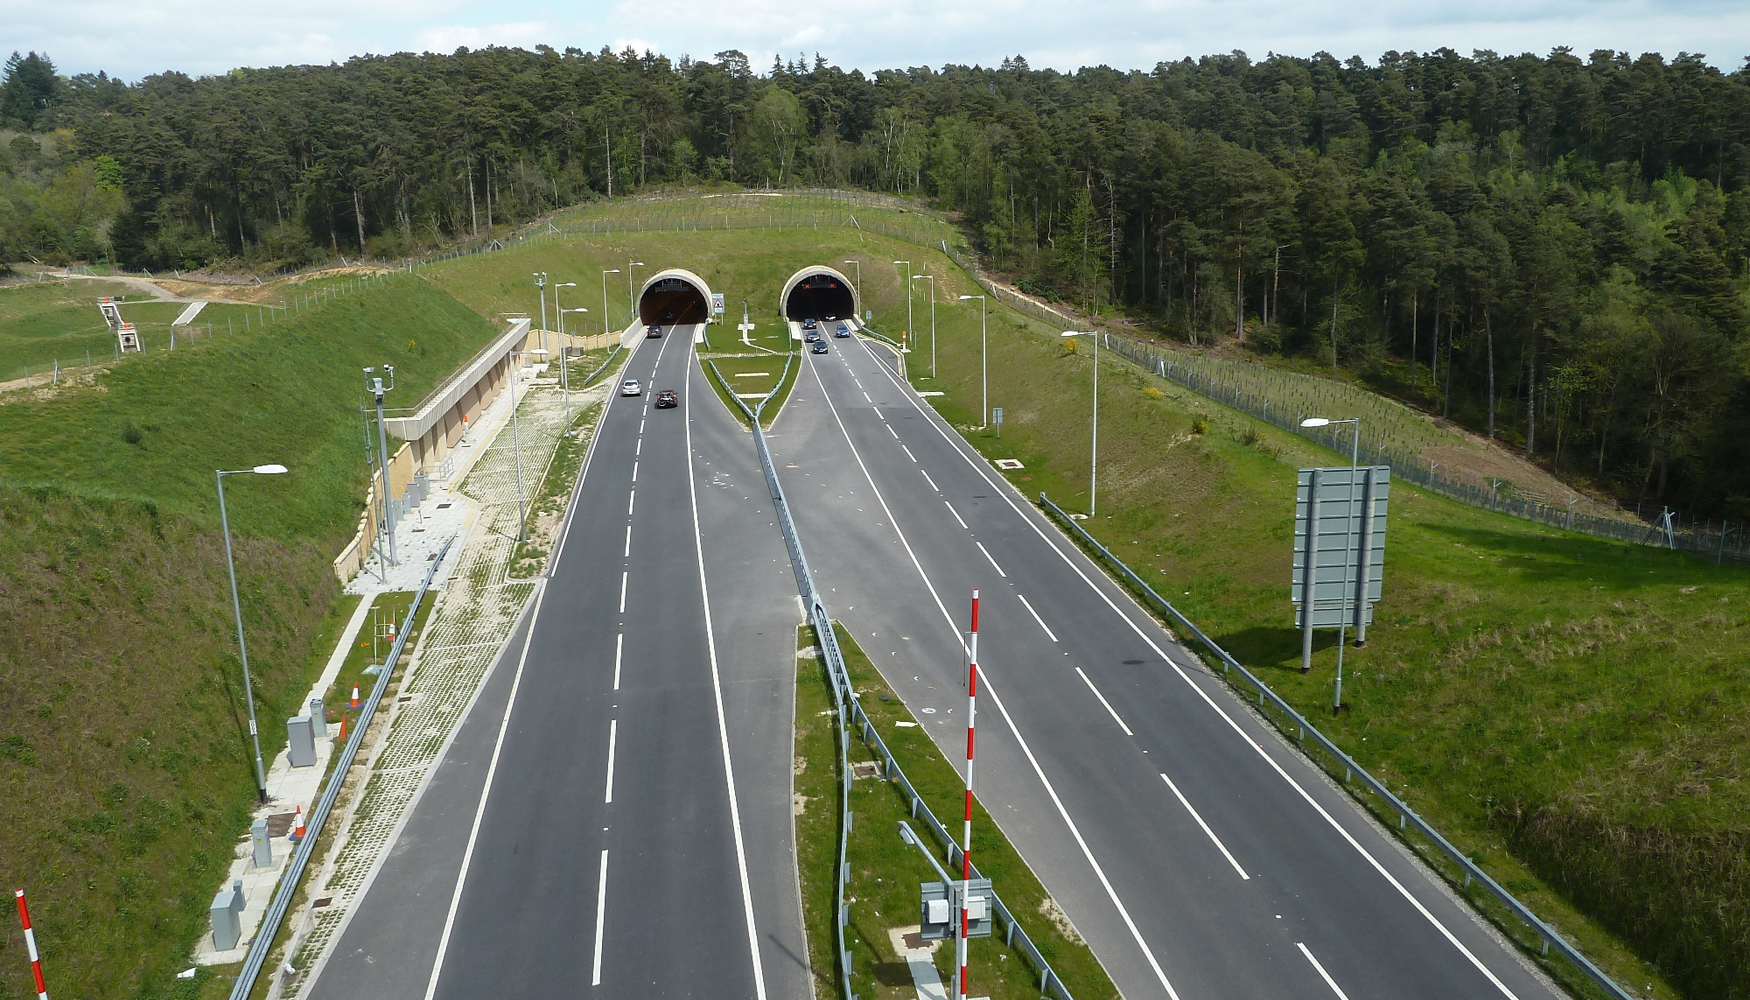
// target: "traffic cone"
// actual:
[[297, 833], [355, 697], [340, 735]]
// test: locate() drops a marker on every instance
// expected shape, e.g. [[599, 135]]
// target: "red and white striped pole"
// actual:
[[966, 836], [36, 962]]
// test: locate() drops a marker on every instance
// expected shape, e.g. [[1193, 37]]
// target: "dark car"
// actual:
[[811, 336], [808, 324], [819, 347], [655, 331], [666, 398]]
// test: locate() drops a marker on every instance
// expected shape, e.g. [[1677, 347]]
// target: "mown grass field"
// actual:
[[1573, 711], [45, 322], [886, 872], [124, 754]]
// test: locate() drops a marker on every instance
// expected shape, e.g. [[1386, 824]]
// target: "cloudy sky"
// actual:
[[133, 38]]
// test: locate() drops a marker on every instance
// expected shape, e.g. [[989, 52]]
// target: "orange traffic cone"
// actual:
[[297, 833], [355, 696]]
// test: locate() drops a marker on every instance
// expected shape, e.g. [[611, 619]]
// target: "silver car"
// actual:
[[630, 387]]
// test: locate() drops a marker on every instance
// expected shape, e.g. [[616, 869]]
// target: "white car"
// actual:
[[630, 387]]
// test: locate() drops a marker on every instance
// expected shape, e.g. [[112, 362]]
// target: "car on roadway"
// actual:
[[630, 387], [842, 331], [666, 398], [819, 347], [830, 317], [808, 324], [811, 336], [655, 331]]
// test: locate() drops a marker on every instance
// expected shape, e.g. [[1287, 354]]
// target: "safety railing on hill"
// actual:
[[287, 888], [1305, 730]]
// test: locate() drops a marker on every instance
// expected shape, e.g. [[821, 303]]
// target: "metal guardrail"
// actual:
[[849, 711], [1406, 816], [288, 883], [604, 367]]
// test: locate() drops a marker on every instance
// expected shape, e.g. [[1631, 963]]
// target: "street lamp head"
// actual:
[[1079, 333], [963, 298], [1315, 422], [370, 369], [565, 284], [612, 271], [268, 470], [922, 276], [636, 263]]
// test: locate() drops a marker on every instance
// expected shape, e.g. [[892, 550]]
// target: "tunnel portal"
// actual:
[[817, 293], [674, 296]]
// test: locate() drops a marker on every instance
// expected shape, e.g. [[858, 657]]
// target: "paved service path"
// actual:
[[1198, 853], [613, 815]]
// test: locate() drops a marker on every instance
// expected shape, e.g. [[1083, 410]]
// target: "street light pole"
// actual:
[[541, 283], [516, 445], [932, 280], [374, 385], [908, 328], [605, 300], [983, 357], [565, 363], [1094, 461], [237, 609], [630, 304], [1350, 524], [859, 266], [558, 313]]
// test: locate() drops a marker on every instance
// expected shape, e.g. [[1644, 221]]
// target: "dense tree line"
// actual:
[[1552, 250]]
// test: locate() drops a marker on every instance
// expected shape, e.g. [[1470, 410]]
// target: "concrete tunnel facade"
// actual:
[[674, 296], [817, 292]]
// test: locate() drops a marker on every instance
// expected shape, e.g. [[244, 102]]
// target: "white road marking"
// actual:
[[893, 432], [1326, 976], [601, 909], [866, 399], [753, 941], [638, 450], [1108, 705], [634, 470], [1041, 621], [992, 559], [624, 576], [628, 553], [619, 647], [437, 963], [935, 421], [908, 454], [641, 428], [956, 514], [1211, 833], [990, 689], [613, 736], [932, 482], [631, 499]]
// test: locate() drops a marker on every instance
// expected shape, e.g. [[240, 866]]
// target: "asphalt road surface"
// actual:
[[613, 817], [1199, 854]]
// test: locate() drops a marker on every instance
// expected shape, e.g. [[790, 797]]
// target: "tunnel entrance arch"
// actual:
[[818, 292], [674, 296]]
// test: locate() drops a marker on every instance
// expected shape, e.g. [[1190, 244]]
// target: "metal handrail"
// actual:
[[288, 883], [1406, 815]]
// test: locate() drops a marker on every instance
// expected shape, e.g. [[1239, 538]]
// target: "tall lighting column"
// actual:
[[908, 328], [237, 608], [374, 385], [1094, 462], [605, 299], [859, 266], [1349, 524], [983, 357], [540, 293], [631, 303], [932, 280]]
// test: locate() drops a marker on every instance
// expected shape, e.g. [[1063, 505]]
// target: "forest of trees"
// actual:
[[1551, 250]]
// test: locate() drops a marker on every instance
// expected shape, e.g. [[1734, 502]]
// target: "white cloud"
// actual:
[[131, 39]]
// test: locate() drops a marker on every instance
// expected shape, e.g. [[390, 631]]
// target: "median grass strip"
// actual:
[[1568, 709], [885, 871]]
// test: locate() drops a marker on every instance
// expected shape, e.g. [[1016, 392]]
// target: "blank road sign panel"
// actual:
[[1343, 508]]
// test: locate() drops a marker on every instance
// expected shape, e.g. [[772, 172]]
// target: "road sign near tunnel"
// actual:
[[1334, 513], [717, 305]]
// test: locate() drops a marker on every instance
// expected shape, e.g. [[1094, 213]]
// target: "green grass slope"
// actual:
[[125, 774]]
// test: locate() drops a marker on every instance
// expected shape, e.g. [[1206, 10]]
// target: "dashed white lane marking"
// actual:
[[628, 553], [1040, 620], [1211, 833], [956, 514], [908, 453], [1109, 709], [1326, 976], [987, 555], [641, 427], [638, 450], [932, 482], [893, 432], [634, 470], [625, 575], [601, 907], [619, 648], [866, 398], [630, 500], [613, 737]]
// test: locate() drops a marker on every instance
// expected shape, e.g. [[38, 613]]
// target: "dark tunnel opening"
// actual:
[[819, 296], [673, 300]]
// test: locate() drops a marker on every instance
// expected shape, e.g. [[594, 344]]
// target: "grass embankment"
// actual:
[[123, 733], [49, 321], [547, 508], [1571, 710], [885, 871]]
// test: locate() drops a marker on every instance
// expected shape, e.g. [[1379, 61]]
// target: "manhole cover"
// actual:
[[866, 769], [1009, 463], [280, 824]]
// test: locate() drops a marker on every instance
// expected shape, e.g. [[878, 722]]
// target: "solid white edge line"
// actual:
[[1038, 619], [1109, 709], [1199, 818], [753, 941], [624, 576], [613, 738], [956, 514], [933, 419], [992, 559], [932, 482], [437, 963], [601, 912], [990, 689], [1326, 976], [619, 647]]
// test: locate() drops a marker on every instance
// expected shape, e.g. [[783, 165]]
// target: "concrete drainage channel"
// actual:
[[850, 713]]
